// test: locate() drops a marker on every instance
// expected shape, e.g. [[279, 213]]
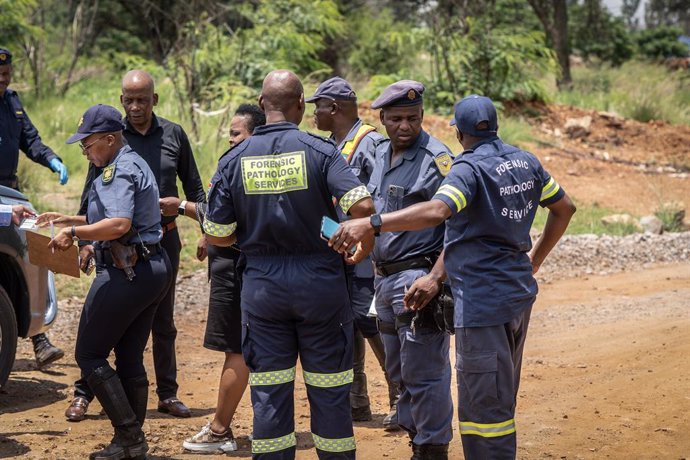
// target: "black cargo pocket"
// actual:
[[247, 350], [477, 373], [347, 341]]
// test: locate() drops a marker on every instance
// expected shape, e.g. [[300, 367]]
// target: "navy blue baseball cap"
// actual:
[[473, 110], [99, 118], [399, 94], [5, 56], [336, 88]]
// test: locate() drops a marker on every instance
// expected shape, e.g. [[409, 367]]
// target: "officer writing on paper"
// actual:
[[488, 200], [133, 274]]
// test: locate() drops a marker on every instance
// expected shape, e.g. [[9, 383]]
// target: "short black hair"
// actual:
[[256, 116]]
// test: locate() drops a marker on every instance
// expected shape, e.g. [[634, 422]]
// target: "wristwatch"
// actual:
[[73, 232], [181, 207], [376, 223]]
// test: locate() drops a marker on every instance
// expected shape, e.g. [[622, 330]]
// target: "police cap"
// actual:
[[5, 56], [399, 94], [99, 118], [336, 88], [472, 111]]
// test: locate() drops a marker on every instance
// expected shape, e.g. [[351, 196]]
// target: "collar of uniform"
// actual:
[[283, 125], [154, 126], [123, 149], [488, 140], [350, 135]]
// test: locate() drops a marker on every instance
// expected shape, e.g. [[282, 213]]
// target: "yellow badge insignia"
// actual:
[[3, 57], [411, 95], [81, 122], [108, 174], [444, 162]]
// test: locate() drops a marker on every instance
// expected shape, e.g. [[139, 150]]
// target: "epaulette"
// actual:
[[440, 154], [319, 143]]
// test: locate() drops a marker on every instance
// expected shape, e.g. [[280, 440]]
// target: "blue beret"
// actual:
[[399, 94], [473, 110], [99, 118], [336, 88], [5, 56]]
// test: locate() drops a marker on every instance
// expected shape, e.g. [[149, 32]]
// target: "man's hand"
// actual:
[[422, 291], [350, 233], [86, 253], [63, 240], [59, 220], [58, 167], [364, 248], [169, 205], [202, 248], [20, 212]]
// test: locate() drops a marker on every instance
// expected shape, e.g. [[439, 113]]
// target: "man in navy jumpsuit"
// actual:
[[410, 167], [489, 199], [17, 132], [269, 194], [336, 111]]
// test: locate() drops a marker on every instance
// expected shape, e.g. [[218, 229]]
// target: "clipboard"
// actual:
[[66, 262]]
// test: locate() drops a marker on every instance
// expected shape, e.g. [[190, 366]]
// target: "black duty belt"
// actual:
[[388, 269], [103, 255]]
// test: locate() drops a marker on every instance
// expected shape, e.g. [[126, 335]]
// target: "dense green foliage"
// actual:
[[661, 42], [595, 32]]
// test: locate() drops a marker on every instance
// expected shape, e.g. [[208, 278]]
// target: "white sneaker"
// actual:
[[208, 441]]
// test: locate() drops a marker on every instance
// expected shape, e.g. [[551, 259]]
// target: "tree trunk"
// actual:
[[553, 15]]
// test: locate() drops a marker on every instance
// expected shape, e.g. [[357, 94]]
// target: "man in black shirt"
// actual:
[[165, 147]]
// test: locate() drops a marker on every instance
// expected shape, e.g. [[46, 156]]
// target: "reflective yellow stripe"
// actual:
[[334, 445], [549, 190], [272, 377], [220, 230], [349, 148], [262, 446], [328, 380], [352, 197], [488, 430], [454, 194]]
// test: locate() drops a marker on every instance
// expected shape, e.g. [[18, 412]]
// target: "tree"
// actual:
[[595, 32], [628, 11], [668, 13], [553, 15]]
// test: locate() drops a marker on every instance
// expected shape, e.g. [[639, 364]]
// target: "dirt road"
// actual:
[[606, 375]]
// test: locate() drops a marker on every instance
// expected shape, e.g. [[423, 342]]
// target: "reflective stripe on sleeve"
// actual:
[[352, 197], [219, 230], [334, 445], [488, 430], [263, 446], [316, 379], [549, 190], [454, 194], [272, 377]]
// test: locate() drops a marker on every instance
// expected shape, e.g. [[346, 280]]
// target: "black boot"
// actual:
[[429, 452], [359, 396], [46, 353], [129, 440], [137, 391]]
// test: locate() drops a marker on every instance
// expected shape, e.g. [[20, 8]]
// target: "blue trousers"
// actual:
[[488, 364], [419, 362], [282, 319]]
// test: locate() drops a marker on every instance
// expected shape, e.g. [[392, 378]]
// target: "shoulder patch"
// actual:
[[108, 173], [443, 162], [319, 143]]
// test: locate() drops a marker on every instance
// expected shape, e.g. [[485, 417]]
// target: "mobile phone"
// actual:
[[328, 228]]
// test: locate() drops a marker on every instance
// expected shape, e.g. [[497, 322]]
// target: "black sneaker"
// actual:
[[46, 353]]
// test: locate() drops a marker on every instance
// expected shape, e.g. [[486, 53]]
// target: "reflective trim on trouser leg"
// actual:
[[321, 380], [264, 446], [334, 445], [488, 430], [272, 377]]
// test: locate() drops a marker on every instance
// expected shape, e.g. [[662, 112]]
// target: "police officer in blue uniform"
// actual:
[[269, 194], [17, 132], [488, 200], [410, 167], [336, 111], [123, 221]]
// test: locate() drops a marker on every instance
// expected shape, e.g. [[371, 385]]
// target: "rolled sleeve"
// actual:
[[118, 196]]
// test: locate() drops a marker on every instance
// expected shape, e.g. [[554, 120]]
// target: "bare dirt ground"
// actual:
[[606, 375]]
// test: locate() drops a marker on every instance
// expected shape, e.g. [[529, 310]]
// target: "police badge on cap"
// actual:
[[399, 94]]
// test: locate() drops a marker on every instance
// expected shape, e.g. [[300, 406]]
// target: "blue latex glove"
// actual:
[[57, 166]]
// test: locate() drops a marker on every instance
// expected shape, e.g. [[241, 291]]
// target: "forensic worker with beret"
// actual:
[[17, 132], [336, 111], [410, 167], [488, 201], [133, 274]]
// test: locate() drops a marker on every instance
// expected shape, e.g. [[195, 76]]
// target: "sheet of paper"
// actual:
[[28, 224]]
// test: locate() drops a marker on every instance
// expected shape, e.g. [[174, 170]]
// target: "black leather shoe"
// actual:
[[361, 414], [46, 353]]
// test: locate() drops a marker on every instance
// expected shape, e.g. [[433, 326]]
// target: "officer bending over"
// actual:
[[132, 275], [488, 200]]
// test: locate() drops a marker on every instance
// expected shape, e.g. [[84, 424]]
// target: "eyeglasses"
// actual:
[[85, 148]]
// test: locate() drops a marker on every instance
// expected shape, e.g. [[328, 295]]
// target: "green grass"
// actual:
[[639, 90], [587, 220]]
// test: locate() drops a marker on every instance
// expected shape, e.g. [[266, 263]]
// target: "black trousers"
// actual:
[[117, 316], [163, 330]]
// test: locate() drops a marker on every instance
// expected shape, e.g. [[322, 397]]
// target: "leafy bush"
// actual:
[[661, 42], [595, 32]]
